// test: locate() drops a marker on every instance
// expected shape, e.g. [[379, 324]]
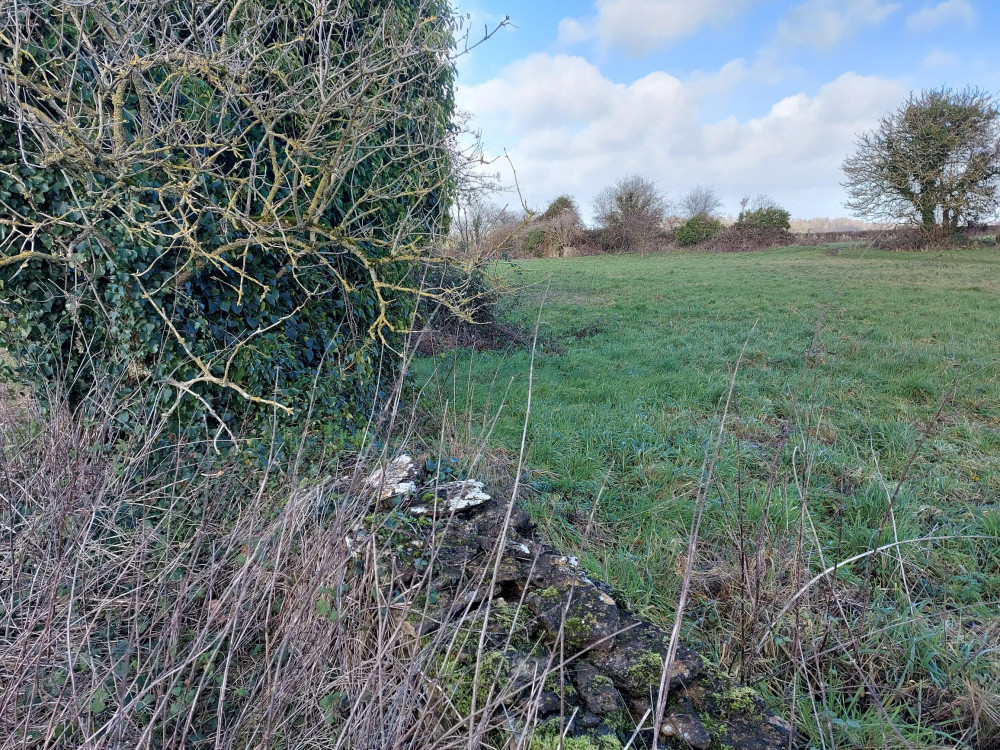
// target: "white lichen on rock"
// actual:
[[456, 496], [394, 480], [465, 494]]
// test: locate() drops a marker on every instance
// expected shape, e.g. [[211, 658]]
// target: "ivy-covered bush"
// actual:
[[534, 241], [221, 203], [771, 216], [698, 228], [559, 205]]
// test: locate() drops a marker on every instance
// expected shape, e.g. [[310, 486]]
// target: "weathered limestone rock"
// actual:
[[397, 478], [579, 612], [456, 496], [683, 723], [614, 661]]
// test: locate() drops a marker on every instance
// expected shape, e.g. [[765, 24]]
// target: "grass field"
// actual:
[[866, 412]]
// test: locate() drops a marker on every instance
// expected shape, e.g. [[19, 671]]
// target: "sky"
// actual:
[[746, 96]]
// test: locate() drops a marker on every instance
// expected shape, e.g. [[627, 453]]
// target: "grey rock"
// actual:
[[636, 662], [596, 690], [582, 613], [682, 723]]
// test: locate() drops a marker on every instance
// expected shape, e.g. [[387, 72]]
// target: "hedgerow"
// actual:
[[224, 200], [697, 229]]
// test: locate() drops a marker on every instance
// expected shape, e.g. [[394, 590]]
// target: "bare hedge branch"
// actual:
[[226, 193]]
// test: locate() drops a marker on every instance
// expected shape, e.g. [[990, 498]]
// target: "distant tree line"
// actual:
[[631, 215], [933, 164]]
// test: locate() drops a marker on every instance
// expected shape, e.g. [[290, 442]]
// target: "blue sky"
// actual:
[[745, 95]]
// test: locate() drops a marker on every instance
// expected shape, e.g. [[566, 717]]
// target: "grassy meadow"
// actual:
[[865, 412]]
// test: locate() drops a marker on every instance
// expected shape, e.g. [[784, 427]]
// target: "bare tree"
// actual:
[[565, 228], [700, 200], [478, 206], [482, 228], [934, 162], [631, 212]]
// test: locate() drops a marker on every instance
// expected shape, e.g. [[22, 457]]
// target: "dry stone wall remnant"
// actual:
[[610, 687]]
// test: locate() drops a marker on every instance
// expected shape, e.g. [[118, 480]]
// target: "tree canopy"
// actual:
[[935, 161], [701, 199]]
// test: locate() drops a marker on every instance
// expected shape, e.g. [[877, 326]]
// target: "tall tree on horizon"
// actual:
[[934, 162]]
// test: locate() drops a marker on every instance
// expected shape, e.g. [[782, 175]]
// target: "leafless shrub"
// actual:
[[631, 213], [483, 222], [910, 238], [565, 228], [700, 200], [736, 239], [483, 230]]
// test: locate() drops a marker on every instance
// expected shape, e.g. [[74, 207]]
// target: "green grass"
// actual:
[[850, 355]]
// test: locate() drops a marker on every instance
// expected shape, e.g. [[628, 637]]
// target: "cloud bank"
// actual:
[[640, 26], [948, 12], [823, 24], [570, 129]]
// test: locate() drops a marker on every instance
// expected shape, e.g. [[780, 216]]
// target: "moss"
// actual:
[[603, 680], [716, 730], [493, 668], [729, 699], [552, 683], [494, 665], [575, 627], [647, 669], [740, 699], [621, 721], [546, 737], [503, 614], [506, 620], [550, 594]]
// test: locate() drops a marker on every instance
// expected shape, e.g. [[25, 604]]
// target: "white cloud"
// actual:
[[938, 59], [570, 130], [571, 30], [640, 26], [949, 11], [822, 24]]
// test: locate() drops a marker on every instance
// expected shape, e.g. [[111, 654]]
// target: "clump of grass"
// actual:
[[156, 594]]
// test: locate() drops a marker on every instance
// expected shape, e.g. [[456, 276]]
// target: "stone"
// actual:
[[612, 661], [454, 497], [596, 690], [525, 669], [585, 615], [682, 723], [636, 663], [549, 703], [396, 478], [747, 732]]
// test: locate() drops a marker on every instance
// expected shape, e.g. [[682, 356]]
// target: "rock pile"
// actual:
[[610, 686]]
